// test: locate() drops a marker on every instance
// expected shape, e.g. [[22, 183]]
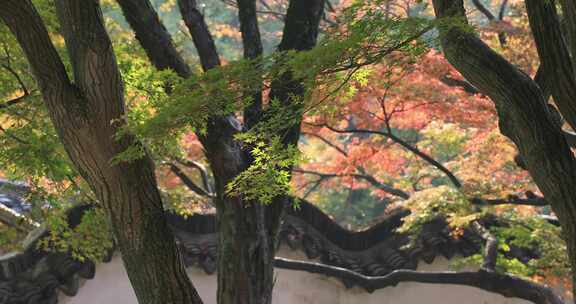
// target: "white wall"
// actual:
[[111, 286]]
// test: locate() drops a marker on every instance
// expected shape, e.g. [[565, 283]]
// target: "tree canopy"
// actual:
[[244, 108]]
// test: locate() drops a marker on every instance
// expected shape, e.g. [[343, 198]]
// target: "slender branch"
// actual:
[[327, 142], [378, 55], [18, 78], [486, 12], [503, 7], [23, 20], [203, 172], [503, 284], [491, 249], [372, 180], [15, 220], [570, 138], [200, 33], [453, 82], [14, 101], [188, 182], [14, 137], [268, 9], [532, 200], [407, 146]]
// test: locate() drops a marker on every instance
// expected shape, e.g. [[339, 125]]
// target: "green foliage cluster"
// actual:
[[9, 239], [269, 175], [438, 202], [528, 232], [91, 239]]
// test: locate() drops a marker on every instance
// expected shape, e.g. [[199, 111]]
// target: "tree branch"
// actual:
[[506, 285], [15, 220], [491, 247], [327, 142], [188, 182], [569, 16], [13, 101], [407, 146], [486, 12], [554, 56], [200, 33], [203, 172], [531, 200], [372, 180], [253, 49], [22, 19], [18, 78], [503, 7], [152, 34], [524, 116], [453, 82]]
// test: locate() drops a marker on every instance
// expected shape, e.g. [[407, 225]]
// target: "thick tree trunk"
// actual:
[[87, 115], [524, 116], [247, 230]]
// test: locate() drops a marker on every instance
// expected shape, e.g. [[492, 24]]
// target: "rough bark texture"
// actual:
[[523, 115], [82, 113], [554, 56], [253, 49], [150, 31], [247, 230], [200, 34]]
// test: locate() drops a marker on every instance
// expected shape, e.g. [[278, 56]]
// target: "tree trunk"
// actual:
[[524, 116], [87, 115], [247, 230]]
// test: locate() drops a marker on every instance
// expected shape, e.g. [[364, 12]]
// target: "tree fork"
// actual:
[[82, 113]]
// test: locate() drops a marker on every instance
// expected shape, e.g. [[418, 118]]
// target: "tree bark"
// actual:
[[554, 56], [247, 230], [87, 115], [524, 116]]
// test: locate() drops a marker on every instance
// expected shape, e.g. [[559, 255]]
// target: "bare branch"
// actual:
[[327, 142], [253, 49], [16, 220], [200, 33], [18, 78], [503, 7], [203, 172], [153, 36], [491, 248], [407, 146], [188, 182], [531, 200], [453, 82], [486, 12], [371, 179]]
